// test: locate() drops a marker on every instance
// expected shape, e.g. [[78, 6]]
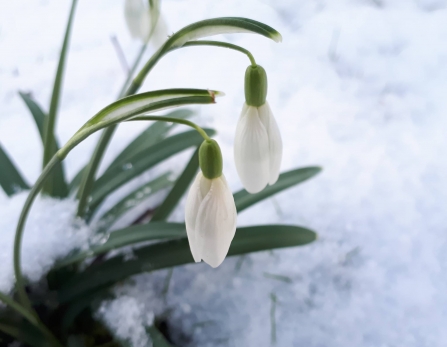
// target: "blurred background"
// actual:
[[358, 87]]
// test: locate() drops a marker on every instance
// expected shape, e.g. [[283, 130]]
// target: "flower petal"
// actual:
[[251, 151], [132, 11], [193, 201], [216, 222], [275, 141]]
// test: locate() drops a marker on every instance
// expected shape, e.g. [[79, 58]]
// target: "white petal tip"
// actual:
[[214, 265], [254, 190]]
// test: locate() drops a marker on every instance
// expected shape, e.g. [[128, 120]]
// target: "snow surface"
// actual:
[[357, 86]]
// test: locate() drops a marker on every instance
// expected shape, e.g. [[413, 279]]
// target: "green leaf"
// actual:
[[128, 236], [133, 199], [59, 188], [10, 178], [24, 332], [56, 185], [158, 340], [243, 199], [76, 181], [141, 162], [180, 186], [36, 111], [223, 25], [176, 252], [156, 132], [134, 105]]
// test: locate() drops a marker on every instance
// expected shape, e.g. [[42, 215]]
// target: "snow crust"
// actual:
[[357, 87]]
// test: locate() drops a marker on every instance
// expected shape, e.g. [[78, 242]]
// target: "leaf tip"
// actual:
[[277, 37], [215, 93]]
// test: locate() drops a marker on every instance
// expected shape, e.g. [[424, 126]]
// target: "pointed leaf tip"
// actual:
[[277, 37]]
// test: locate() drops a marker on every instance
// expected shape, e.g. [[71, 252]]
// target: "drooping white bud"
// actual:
[[210, 212], [257, 148]]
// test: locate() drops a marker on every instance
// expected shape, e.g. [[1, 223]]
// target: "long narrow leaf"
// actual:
[[28, 335], [133, 199], [36, 111], [141, 162], [153, 134], [180, 186], [60, 188], [76, 181], [176, 252], [223, 25], [243, 199], [56, 184], [137, 104], [128, 236], [10, 178], [158, 340]]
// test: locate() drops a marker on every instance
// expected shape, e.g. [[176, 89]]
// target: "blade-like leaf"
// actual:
[[243, 199], [76, 181], [158, 340], [59, 186], [180, 186], [137, 104], [24, 332], [156, 132], [56, 185], [223, 25], [128, 236], [141, 162], [133, 199], [10, 178], [36, 111], [176, 252]]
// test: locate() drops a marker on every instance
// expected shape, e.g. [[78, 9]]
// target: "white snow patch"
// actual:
[[125, 318], [51, 232]]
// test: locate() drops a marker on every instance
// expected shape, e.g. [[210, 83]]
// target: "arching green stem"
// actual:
[[20, 227], [174, 120], [20, 282], [224, 45]]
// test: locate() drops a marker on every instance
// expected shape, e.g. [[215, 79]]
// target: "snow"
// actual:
[[357, 87], [51, 232]]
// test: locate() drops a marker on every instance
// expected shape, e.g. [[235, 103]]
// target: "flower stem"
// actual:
[[26, 308], [175, 120], [224, 45], [23, 297]]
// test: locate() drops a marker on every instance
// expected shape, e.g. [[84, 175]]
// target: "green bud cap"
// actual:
[[255, 85], [210, 159]]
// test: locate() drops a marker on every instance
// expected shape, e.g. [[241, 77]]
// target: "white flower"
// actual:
[[257, 148], [138, 20], [210, 216]]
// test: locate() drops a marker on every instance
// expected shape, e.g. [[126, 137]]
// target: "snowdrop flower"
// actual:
[[258, 144], [139, 19], [210, 212]]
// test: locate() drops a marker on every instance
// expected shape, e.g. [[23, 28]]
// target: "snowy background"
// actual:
[[357, 86]]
